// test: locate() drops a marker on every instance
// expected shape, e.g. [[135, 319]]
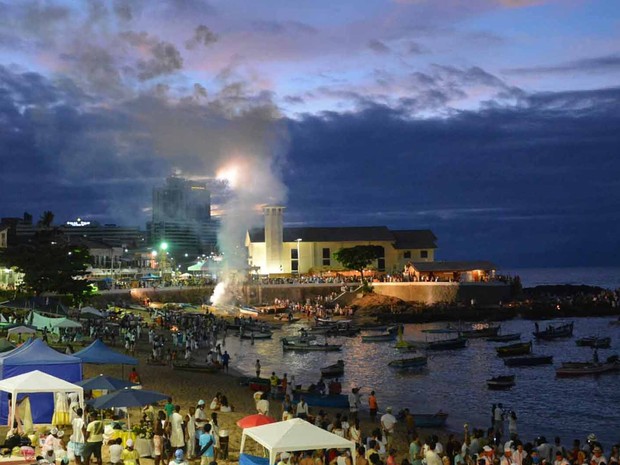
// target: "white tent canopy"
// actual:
[[36, 381], [294, 435], [91, 311], [21, 330]]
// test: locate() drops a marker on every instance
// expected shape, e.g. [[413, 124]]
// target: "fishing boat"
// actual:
[[256, 335], [485, 331], [554, 332], [505, 337], [446, 344], [314, 399], [430, 420], [595, 342], [386, 337], [332, 371], [529, 361], [309, 347], [196, 367], [501, 382], [342, 330], [411, 362], [572, 369], [521, 348], [249, 311]]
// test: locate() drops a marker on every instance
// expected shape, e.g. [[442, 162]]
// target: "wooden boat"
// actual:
[[554, 332], [249, 311], [386, 337], [586, 368], [489, 331], [308, 347], [256, 335], [332, 371], [314, 399], [501, 382], [196, 367], [528, 361], [505, 337], [412, 362], [430, 420], [595, 342], [521, 348], [446, 344]]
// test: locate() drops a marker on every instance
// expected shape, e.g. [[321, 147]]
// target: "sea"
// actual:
[[605, 277], [455, 380]]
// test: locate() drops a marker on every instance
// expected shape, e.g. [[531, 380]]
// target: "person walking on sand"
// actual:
[[257, 366], [177, 439]]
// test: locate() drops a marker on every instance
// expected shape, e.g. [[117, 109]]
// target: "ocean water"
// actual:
[[455, 380], [606, 277]]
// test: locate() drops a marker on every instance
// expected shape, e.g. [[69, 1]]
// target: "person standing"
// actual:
[[77, 438], [373, 406], [302, 409], [169, 408], [206, 446], [225, 361], [388, 422], [354, 403], [274, 381], [94, 441], [257, 366], [177, 440], [190, 432]]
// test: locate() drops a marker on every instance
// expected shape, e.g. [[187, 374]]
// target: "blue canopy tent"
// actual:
[[37, 355], [100, 354]]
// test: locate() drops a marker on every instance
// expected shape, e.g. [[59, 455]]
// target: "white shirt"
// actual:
[[302, 408], [432, 458], [78, 433], [388, 421], [115, 453]]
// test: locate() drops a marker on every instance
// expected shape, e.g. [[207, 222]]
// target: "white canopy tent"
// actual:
[[294, 435], [36, 381]]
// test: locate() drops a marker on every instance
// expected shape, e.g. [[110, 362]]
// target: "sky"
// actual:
[[495, 123]]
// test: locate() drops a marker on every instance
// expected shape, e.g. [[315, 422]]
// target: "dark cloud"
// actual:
[[529, 184], [203, 36], [165, 57], [600, 64], [378, 47]]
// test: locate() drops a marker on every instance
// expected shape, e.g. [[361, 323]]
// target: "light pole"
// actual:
[[163, 247], [298, 240]]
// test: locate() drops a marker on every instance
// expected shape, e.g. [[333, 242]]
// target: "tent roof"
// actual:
[[41, 322], [38, 353], [296, 434], [100, 353], [37, 381]]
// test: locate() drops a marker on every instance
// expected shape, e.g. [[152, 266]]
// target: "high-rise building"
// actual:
[[182, 219]]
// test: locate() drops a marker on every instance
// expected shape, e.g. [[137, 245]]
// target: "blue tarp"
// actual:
[[37, 355], [246, 459], [101, 354]]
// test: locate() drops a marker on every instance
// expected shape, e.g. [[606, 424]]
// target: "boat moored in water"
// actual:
[[309, 347], [521, 348], [411, 362], [505, 337], [529, 361], [501, 382], [594, 342], [554, 332], [332, 371]]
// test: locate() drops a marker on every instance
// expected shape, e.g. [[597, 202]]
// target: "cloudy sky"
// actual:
[[496, 123]]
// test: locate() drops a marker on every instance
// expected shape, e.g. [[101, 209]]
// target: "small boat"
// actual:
[[303, 338], [314, 399], [569, 369], [501, 382], [529, 361], [249, 311], [412, 362], [256, 335], [197, 367], [332, 371], [386, 337], [341, 330], [521, 348], [488, 331], [595, 342], [308, 347], [554, 332], [430, 420], [446, 344], [505, 337]]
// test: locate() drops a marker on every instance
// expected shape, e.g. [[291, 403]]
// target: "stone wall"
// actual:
[[431, 293]]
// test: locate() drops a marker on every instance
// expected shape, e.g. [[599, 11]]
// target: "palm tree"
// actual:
[[46, 220]]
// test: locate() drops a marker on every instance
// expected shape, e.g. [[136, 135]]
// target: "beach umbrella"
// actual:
[[107, 383], [255, 420], [127, 397]]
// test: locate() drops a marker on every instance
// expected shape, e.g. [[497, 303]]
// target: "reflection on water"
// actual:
[[455, 381]]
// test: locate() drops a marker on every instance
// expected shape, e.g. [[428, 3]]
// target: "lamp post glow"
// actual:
[[163, 247]]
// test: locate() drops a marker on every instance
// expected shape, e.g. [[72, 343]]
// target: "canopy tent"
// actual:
[[21, 329], [5, 345], [36, 382], [37, 355], [200, 266], [91, 312], [106, 383], [294, 435], [100, 354], [52, 324], [150, 276]]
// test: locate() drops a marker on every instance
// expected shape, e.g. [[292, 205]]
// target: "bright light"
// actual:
[[164, 246], [154, 253], [230, 174]]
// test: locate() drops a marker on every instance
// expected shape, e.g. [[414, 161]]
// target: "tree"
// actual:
[[359, 257], [46, 220], [50, 264]]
